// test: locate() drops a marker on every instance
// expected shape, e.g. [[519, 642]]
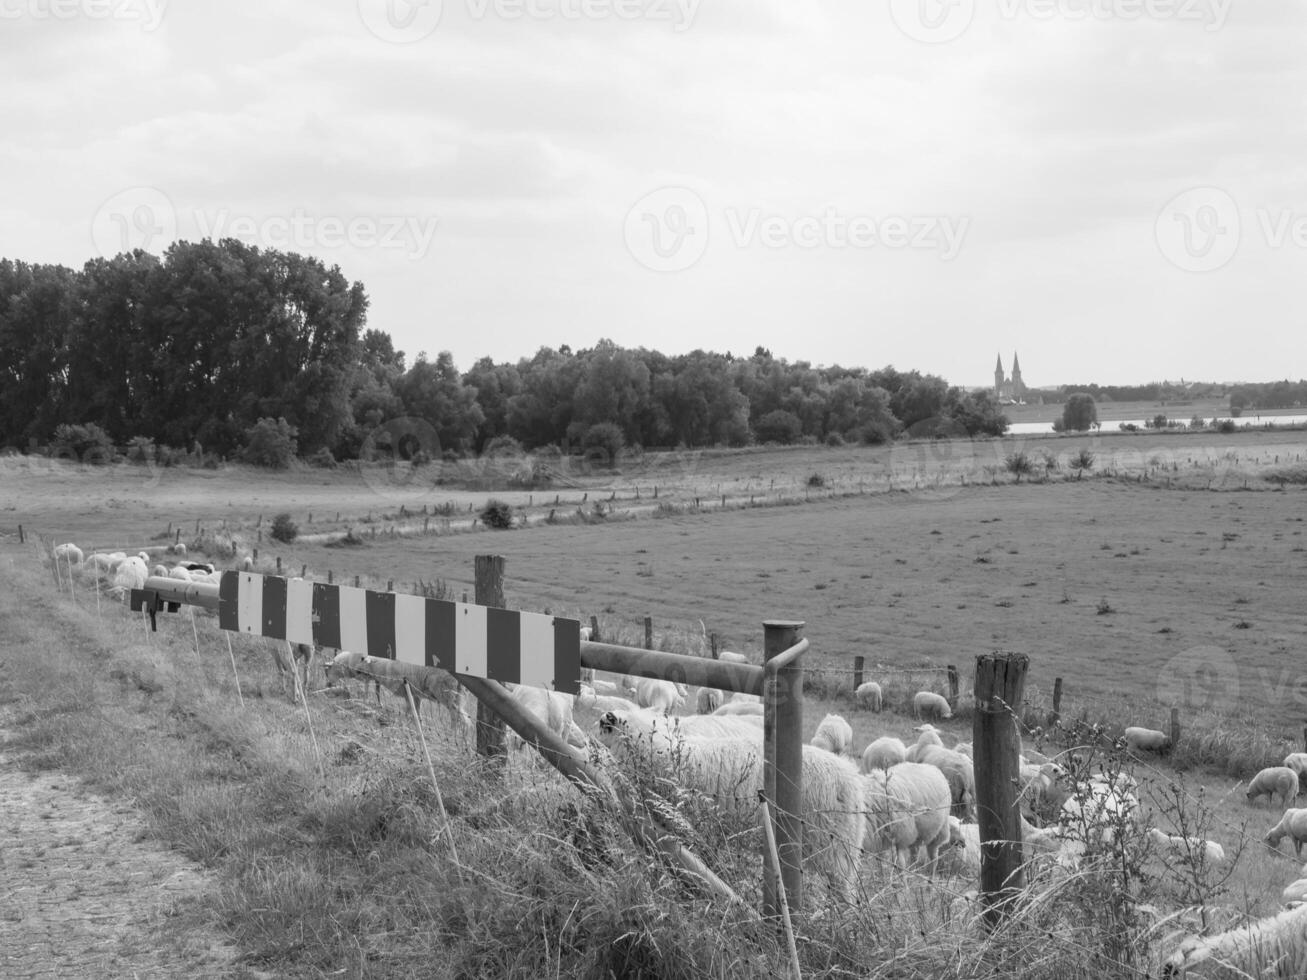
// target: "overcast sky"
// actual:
[[1116, 189]]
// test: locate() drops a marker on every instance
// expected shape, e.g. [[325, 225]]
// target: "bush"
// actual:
[[1019, 464], [834, 439], [141, 449], [1227, 426], [816, 480], [497, 514], [1080, 412], [323, 458], [84, 443], [284, 529], [503, 446], [270, 443], [603, 444], [779, 426]]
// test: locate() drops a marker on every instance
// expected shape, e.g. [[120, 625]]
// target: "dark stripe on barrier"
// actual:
[[503, 646], [228, 595], [326, 615], [567, 656], [440, 634], [274, 607], [380, 608]]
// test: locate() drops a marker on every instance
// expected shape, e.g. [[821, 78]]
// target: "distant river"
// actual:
[[1114, 425]]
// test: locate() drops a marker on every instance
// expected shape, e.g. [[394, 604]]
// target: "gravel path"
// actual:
[[84, 895]]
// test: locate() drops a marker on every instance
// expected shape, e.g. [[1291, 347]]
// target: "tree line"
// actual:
[[197, 346]]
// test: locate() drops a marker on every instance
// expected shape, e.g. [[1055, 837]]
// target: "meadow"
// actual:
[[1170, 574]]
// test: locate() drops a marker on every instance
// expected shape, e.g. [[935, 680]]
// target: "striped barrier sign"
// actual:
[[498, 644]]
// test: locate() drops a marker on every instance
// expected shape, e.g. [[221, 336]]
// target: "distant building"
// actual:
[[1009, 389]]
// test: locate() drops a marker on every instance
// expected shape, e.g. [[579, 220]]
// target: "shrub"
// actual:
[[834, 439], [323, 458], [284, 529], [816, 480], [1080, 412], [270, 443], [1227, 426], [503, 446], [1084, 460], [141, 449], [497, 514], [85, 443], [603, 444], [779, 426], [1019, 464]]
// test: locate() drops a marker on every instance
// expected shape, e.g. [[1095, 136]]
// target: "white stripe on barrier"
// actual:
[[470, 639], [537, 633], [411, 629], [353, 619], [250, 603], [299, 611]]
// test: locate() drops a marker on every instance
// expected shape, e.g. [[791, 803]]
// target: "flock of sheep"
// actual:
[[914, 802]]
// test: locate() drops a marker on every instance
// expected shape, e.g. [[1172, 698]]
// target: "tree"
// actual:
[[1079, 413], [270, 443], [976, 411], [1082, 461], [778, 426], [1019, 464], [436, 393]]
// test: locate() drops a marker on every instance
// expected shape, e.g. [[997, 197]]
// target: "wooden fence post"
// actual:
[[648, 632], [594, 628], [330, 576], [491, 732], [1056, 716], [279, 564], [953, 686], [859, 662], [21, 539], [1000, 686], [783, 763], [713, 646], [1175, 727]]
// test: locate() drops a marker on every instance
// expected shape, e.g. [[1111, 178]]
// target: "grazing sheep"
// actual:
[[960, 775], [553, 709], [1293, 824], [178, 549], [247, 565], [586, 634], [1297, 761], [1094, 815], [1272, 780], [928, 735], [834, 734], [732, 658], [870, 696], [1140, 739], [731, 770], [928, 704], [68, 554], [708, 700], [1295, 892], [601, 686], [607, 702], [158, 571], [882, 753], [179, 573], [660, 695], [907, 809], [747, 698], [740, 708], [100, 563], [964, 748], [130, 574], [1190, 847], [1271, 947], [705, 726], [1040, 782]]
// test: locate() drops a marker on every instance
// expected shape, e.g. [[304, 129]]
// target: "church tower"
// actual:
[[1018, 387], [998, 377]]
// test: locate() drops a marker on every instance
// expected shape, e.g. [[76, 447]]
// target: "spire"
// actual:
[[998, 364], [1016, 365]]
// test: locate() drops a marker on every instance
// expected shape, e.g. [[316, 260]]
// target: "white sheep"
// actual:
[[68, 554], [883, 752], [247, 565], [1094, 815], [130, 574], [870, 696], [731, 771], [1297, 761], [833, 734], [747, 698], [708, 700], [963, 854], [100, 563], [960, 775], [602, 686], [608, 702], [705, 726], [1272, 780], [907, 810], [656, 694], [731, 657], [179, 573], [927, 735], [1295, 892], [586, 634], [965, 749], [178, 549], [159, 571], [551, 708], [1038, 782], [740, 708], [928, 704], [1293, 824], [1195, 848], [1270, 947], [1140, 739]]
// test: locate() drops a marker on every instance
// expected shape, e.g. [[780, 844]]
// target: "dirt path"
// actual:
[[83, 895]]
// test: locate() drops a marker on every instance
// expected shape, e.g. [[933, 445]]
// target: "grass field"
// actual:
[[1140, 586]]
